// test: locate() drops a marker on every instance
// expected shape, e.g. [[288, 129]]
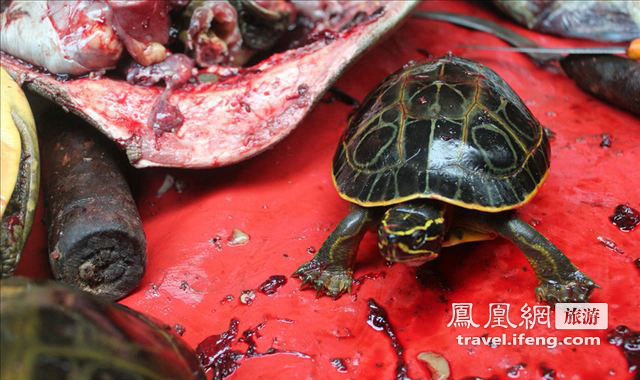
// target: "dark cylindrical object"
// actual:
[[95, 236], [609, 77]]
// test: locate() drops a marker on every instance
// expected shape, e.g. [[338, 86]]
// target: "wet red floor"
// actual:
[[285, 201]]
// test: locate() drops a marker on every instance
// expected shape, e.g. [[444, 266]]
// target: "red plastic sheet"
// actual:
[[285, 201]]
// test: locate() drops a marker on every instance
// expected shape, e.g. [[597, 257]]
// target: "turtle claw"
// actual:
[[332, 281], [576, 289]]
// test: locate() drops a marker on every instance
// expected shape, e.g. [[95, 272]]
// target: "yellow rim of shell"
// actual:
[[469, 206]]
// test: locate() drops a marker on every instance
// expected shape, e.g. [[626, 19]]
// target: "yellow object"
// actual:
[[634, 49], [12, 99], [20, 172]]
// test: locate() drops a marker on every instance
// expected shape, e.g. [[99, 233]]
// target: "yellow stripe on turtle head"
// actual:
[[424, 227]]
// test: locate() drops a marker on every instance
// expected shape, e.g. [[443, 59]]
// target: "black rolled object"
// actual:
[[609, 77], [95, 236]]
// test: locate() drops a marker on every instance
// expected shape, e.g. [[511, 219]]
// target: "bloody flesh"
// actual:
[[95, 236], [231, 119]]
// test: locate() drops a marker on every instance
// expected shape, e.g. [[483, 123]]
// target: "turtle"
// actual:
[[51, 331], [441, 153]]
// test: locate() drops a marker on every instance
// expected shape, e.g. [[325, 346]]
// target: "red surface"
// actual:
[[285, 201]]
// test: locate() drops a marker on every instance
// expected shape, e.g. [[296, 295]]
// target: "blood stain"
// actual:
[[215, 352], [625, 217], [378, 319], [629, 342], [217, 355], [272, 284]]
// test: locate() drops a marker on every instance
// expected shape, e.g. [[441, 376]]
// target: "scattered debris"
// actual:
[[629, 341], [514, 372], [247, 297], [340, 365], [238, 237], [625, 217], [167, 184], [216, 241], [610, 244], [228, 298], [311, 250], [547, 373], [437, 364], [606, 141], [180, 330]]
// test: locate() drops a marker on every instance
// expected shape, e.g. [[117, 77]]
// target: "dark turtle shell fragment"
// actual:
[[53, 332]]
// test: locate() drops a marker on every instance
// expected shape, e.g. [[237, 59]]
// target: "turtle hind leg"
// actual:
[[560, 280], [331, 269]]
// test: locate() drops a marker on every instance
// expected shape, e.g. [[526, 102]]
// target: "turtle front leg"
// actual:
[[331, 269], [560, 280]]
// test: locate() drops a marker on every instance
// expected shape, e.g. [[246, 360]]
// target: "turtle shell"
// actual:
[[50, 331], [449, 129]]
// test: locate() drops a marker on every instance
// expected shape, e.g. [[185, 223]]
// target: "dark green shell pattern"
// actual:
[[52, 332], [450, 129]]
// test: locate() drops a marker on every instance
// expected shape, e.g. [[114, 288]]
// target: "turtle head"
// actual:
[[412, 232]]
